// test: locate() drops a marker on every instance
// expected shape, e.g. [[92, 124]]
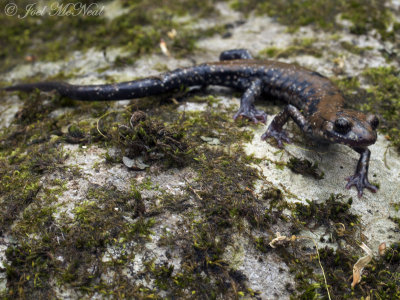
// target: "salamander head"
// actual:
[[351, 128]]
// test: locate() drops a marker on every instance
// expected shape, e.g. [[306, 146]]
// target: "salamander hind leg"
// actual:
[[275, 129], [235, 54], [360, 177], [247, 108]]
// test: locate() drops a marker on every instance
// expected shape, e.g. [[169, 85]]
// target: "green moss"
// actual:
[[97, 224], [139, 31], [332, 210], [223, 201], [65, 247], [396, 221], [304, 166], [323, 14], [262, 245], [299, 47], [26, 154], [340, 225], [274, 211], [152, 139], [354, 49], [348, 85], [380, 270], [30, 150]]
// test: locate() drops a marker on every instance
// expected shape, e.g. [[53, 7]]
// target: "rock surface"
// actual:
[[266, 272]]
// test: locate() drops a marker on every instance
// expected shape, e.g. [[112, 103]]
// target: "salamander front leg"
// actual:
[[360, 177], [275, 129], [235, 54], [247, 108]]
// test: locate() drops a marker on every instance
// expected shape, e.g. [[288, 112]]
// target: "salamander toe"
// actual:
[[360, 181], [252, 114], [279, 136]]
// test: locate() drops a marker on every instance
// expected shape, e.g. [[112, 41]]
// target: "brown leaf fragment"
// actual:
[[382, 249], [280, 239], [360, 264]]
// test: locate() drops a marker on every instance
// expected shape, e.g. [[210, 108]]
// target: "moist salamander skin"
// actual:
[[314, 103]]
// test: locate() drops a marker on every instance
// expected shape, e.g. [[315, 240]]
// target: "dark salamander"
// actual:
[[314, 103]]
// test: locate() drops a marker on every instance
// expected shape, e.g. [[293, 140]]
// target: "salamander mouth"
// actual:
[[351, 139], [360, 143]]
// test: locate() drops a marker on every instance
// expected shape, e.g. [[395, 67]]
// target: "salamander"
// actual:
[[314, 103]]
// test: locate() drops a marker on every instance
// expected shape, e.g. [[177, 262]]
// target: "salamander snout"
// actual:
[[352, 128]]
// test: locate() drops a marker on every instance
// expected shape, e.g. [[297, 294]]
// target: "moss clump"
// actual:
[[395, 220], [340, 225], [322, 14], [338, 268], [29, 149], [299, 47], [31, 168], [75, 134], [305, 167], [332, 210], [274, 211], [224, 200], [151, 138], [139, 30], [71, 249], [354, 49], [72, 252], [349, 86], [380, 278]]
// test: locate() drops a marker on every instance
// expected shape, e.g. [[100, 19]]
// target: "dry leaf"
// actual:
[[382, 249], [281, 238], [164, 49], [172, 34], [360, 264]]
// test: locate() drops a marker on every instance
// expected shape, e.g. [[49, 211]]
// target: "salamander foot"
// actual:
[[360, 181], [252, 114], [280, 136]]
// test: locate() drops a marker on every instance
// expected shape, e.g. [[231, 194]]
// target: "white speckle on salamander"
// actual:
[[353, 136]]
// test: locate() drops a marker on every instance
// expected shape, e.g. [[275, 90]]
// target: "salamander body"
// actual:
[[314, 103]]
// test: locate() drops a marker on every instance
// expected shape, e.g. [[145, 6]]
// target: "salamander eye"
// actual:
[[342, 125], [373, 121]]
